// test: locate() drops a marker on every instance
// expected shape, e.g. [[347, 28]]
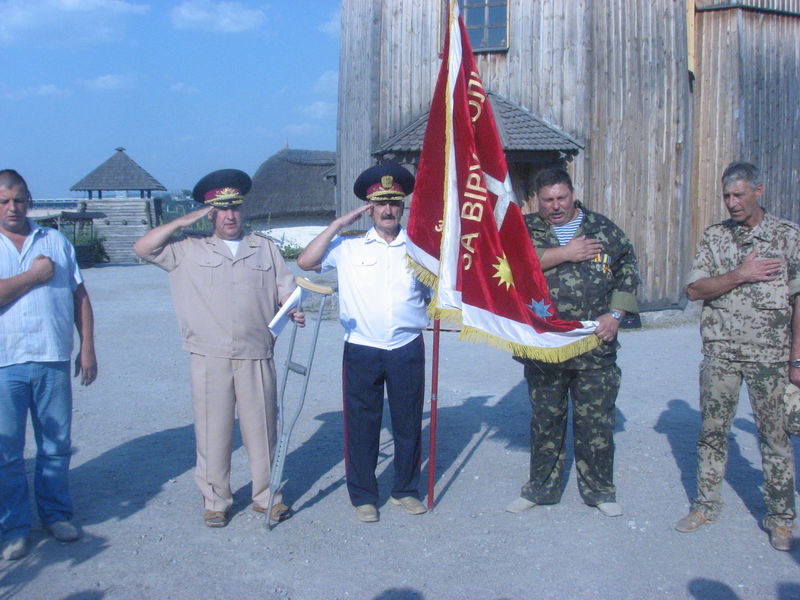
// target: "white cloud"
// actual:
[[64, 21], [327, 83], [118, 6], [50, 89], [318, 110], [44, 89], [181, 88], [298, 128], [109, 82], [332, 26], [222, 17]]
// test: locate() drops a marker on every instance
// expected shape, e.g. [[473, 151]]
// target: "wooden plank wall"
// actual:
[[717, 113], [358, 95], [770, 105], [409, 63], [126, 221], [639, 146], [545, 68], [777, 5], [747, 107], [388, 66]]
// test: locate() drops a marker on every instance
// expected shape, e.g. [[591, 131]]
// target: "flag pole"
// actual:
[[434, 402]]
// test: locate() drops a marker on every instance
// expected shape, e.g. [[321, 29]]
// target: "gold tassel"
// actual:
[[476, 336], [549, 355], [421, 273]]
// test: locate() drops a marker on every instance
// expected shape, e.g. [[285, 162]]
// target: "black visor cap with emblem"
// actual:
[[223, 188], [387, 181]]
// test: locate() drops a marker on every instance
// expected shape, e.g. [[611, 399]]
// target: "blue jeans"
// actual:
[[45, 389]]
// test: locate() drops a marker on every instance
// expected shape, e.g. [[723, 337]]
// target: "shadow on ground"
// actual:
[[680, 423]]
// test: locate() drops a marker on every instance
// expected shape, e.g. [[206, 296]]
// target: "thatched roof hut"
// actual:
[[293, 183]]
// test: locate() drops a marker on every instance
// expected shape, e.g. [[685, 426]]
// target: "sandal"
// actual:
[[280, 512], [215, 518]]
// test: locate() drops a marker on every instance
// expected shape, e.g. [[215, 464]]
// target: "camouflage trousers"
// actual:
[[720, 381], [593, 393]]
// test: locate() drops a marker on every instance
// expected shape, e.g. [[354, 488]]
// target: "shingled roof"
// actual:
[[120, 172], [519, 129], [293, 182]]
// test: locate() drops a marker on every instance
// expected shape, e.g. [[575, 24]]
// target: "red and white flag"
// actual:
[[468, 239]]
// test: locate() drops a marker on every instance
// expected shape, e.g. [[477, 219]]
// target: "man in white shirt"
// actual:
[[382, 309], [41, 296]]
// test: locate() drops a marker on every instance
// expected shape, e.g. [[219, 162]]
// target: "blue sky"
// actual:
[[185, 86]]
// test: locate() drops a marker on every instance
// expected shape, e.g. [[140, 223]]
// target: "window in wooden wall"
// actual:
[[486, 22]]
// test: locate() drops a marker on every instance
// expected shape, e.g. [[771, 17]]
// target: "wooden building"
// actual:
[[657, 96], [747, 101], [127, 218]]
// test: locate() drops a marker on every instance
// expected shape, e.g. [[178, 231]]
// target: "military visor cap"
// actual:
[[223, 188], [387, 181]]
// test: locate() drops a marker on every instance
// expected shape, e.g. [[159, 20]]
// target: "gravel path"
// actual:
[[144, 538]]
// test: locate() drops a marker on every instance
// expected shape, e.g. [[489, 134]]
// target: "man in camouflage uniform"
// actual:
[[747, 272], [591, 271]]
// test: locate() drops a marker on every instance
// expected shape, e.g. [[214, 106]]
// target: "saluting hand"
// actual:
[[354, 215], [193, 217]]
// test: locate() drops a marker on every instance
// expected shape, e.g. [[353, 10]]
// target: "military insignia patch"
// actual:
[[602, 262], [226, 192], [387, 181]]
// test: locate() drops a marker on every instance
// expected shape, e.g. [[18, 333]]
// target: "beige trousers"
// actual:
[[220, 387]]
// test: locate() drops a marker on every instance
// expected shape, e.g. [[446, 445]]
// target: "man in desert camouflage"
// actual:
[[592, 274], [747, 273]]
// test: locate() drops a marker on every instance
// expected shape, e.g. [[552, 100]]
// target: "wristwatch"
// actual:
[[795, 362], [618, 316]]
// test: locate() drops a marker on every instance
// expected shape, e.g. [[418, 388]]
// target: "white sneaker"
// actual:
[[610, 509], [367, 513], [410, 504], [17, 548], [519, 505]]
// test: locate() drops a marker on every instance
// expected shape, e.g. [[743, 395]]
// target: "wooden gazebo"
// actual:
[[127, 218]]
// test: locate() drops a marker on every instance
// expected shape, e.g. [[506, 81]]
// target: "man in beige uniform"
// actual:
[[226, 288]]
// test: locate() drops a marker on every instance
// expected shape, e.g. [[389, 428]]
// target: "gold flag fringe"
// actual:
[[549, 355], [448, 315], [477, 336], [421, 273]]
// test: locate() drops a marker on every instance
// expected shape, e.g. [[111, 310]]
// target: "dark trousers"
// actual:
[[365, 372], [593, 393]]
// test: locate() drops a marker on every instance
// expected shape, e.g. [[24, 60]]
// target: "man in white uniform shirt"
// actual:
[[382, 309]]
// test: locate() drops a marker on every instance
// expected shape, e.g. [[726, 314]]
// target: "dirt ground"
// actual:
[[132, 482]]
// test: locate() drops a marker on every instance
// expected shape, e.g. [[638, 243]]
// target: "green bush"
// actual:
[[89, 250], [290, 249]]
